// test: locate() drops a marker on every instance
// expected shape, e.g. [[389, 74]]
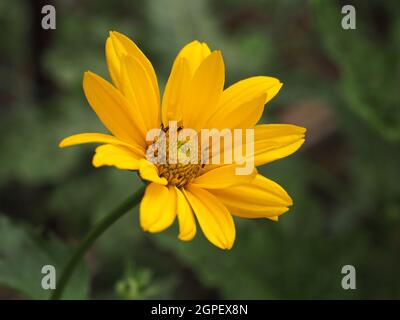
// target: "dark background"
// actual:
[[342, 85]]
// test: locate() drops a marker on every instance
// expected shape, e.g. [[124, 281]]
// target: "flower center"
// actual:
[[179, 174], [186, 167]]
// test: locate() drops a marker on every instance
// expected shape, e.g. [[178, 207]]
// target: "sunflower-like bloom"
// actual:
[[195, 98]]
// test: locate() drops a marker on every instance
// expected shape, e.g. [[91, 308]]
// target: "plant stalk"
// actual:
[[91, 237]]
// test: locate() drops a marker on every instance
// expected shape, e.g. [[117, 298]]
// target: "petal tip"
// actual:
[[88, 74], [185, 238], [228, 246], [62, 143], [218, 53], [113, 34]]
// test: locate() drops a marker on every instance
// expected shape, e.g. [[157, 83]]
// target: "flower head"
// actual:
[[187, 184]]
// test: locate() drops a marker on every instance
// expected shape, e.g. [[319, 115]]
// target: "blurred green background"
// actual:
[[342, 85]]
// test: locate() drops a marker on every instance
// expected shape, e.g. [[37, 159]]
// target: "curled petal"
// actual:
[[148, 171]]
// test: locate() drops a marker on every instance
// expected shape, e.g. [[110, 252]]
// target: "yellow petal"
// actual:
[[249, 88], [117, 156], [187, 224], [99, 138], [112, 109], [184, 67], [213, 217], [138, 89], [271, 213], [194, 52], [204, 92], [244, 115], [158, 208], [148, 171], [222, 177], [175, 90], [276, 141], [113, 62], [261, 198], [271, 142], [117, 47], [252, 93]]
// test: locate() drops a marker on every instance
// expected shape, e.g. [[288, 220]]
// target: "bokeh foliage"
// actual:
[[341, 85]]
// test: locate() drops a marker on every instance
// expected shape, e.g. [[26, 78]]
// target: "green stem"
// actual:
[[93, 234]]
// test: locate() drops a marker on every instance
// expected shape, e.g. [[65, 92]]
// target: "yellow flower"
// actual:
[[194, 96]]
